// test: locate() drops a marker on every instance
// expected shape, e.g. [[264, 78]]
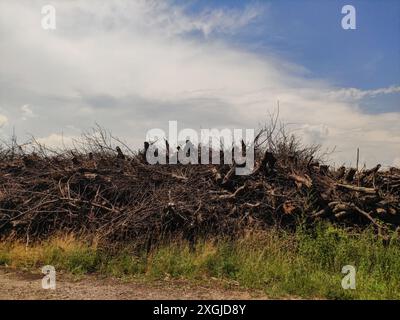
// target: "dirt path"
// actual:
[[21, 285]]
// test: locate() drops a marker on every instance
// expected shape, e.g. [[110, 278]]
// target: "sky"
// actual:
[[132, 66]]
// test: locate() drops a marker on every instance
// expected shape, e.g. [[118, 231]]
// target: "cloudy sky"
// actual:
[[131, 66]]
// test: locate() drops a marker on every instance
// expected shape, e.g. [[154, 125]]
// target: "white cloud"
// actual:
[[314, 133], [56, 140], [132, 66], [357, 94], [27, 112], [217, 20], [3, 120]]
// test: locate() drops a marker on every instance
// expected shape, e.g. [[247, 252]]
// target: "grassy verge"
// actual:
[[304, 264]]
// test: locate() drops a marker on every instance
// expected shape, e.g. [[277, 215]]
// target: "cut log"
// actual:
[[350, 175], [217, 175], [371, 171], [267, 162], [301, 180], [355, 188], [340, 172], [120, 155]]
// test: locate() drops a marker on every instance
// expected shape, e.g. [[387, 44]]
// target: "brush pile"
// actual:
[[119, 197]]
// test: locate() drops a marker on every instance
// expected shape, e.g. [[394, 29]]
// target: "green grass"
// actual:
[[302, 264]]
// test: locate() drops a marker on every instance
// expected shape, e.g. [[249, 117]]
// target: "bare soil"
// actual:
[[18, 285]]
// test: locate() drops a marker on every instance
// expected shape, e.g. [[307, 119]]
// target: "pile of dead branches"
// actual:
[[117, 196]]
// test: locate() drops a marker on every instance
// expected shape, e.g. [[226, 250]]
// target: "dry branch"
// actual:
[[114, 194]]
